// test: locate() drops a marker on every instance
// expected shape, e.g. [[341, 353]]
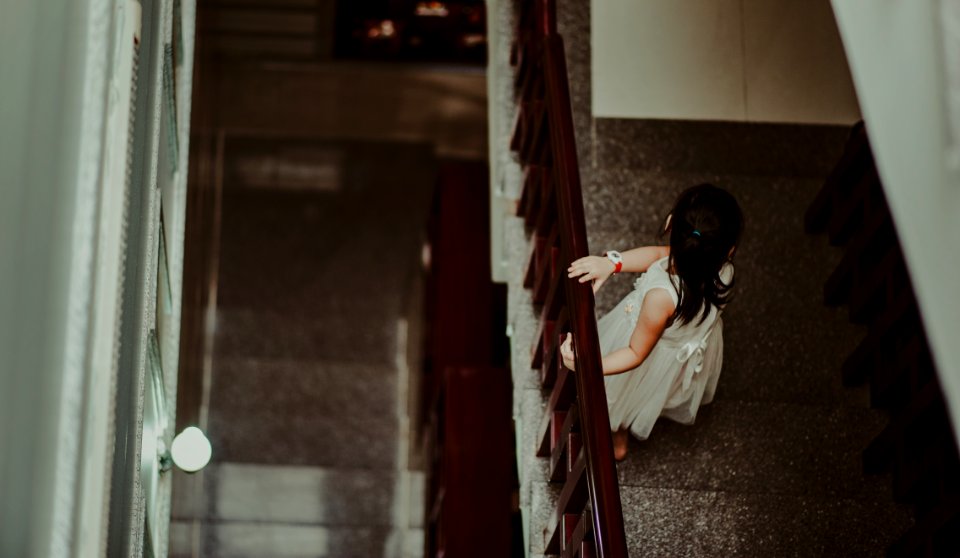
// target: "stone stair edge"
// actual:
[[747, 524]]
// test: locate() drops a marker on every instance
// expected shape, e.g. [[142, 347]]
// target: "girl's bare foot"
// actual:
[[620, 439]]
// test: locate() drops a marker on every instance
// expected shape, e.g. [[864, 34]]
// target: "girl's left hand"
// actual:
[[566, 352], [592, 268]]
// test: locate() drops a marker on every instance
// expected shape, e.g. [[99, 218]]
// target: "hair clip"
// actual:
[[696, 232]]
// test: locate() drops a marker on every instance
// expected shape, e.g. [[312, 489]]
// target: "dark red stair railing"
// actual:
[[575, 433]]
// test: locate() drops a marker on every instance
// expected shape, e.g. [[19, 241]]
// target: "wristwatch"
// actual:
[[616, 258]]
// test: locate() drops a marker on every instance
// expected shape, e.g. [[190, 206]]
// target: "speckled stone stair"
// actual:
[[256, 510], [667, 522], [306, 416]]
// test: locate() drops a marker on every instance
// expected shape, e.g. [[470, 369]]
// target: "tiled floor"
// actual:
[[305, 417]]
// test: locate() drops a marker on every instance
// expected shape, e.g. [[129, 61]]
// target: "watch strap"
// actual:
[[616, 258]]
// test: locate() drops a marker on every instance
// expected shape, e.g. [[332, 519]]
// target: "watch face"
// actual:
[[614, 256]]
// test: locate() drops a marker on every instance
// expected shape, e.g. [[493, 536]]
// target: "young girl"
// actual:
[[663, 344]]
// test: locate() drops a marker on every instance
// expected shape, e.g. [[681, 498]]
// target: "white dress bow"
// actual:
[[694, 350]]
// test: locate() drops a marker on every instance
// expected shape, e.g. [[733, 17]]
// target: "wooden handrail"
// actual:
[[591, 395], [553, 204]]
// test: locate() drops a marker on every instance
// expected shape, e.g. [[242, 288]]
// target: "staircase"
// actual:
[[313, 357], [773, 466]]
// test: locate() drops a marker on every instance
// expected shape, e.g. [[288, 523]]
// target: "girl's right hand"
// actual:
[[592, 268], [566, 353]]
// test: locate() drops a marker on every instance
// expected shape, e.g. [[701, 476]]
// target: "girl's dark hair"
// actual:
[[705, 226]]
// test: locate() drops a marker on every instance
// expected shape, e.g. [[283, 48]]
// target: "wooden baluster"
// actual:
[[546, 273], [544, 336], [553, 432], [530, 275], [579, 537], [573, 498], [552, 362], [530, 199], [562, 447]]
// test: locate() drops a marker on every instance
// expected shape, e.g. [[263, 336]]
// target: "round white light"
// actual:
[[191, 450]]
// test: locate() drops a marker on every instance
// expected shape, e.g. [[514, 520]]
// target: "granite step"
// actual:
[[284, 540], [262, 493], [672, 522], [761, 149], [258, 510], [756, 447], [305, 335], [304, 412], [304, 251]]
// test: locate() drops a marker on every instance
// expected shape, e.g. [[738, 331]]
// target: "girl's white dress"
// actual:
[[682, 369]]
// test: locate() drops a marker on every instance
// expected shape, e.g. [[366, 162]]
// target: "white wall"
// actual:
[[62, 215], [899, 53], [742, 60], [53, 59]]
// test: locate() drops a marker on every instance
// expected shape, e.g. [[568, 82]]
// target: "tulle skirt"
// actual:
[[678, 375]]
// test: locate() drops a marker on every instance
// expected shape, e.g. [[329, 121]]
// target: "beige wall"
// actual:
[[743, 60]]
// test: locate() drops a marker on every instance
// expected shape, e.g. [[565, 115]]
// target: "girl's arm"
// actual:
[[655, 313], [599, 268]]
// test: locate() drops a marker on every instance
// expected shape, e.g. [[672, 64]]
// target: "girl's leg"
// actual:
[[620, 439]]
